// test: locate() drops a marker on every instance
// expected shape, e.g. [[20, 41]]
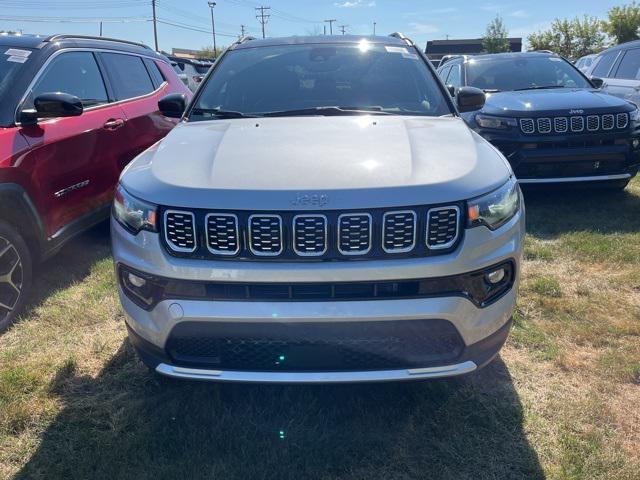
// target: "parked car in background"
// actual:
[[193, 69], [73, 112], [181, 75], [335, 220], [552, 123], [619, 68], [584, 63]]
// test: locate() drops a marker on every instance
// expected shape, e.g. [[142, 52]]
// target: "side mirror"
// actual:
[[52, 105], [470, 99], [173, 105], [452, 90], [597, 82]]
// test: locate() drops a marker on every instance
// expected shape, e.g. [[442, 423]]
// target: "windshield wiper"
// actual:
[[327, 110], [538, 87], [222, 113]]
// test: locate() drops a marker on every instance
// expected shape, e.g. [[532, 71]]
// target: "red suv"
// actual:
[[74, 111]]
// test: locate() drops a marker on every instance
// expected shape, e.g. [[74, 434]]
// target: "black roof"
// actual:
[[295, 40], [24, 41], [42, 42]]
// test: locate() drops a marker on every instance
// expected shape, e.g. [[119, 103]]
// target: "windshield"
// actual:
[[9, 67], [523, 73], [303, 78]]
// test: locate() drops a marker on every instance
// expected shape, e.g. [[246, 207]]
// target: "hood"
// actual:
[[559, 101], [310, 162]]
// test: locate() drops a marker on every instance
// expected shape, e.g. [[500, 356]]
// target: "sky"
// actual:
[[187, 23]]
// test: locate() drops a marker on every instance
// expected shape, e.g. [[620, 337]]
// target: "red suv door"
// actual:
[[68, 156], [138, 85]]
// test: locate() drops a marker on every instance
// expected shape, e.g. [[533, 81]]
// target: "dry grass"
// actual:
[[562, 402]]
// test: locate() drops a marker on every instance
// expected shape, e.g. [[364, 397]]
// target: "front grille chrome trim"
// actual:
[[171, 245], [237, 230], [339, 236], [250, 239], [326, 235], [415, 228], [455, 238]]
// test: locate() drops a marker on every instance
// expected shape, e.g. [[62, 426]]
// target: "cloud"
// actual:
[[355, 3], [520, 14], [423, 28]]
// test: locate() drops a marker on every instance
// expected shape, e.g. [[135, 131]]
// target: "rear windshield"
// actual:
[[392, 79], [202, 69], [522, 73]]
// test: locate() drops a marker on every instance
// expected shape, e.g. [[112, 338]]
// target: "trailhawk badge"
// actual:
[[310, 200]]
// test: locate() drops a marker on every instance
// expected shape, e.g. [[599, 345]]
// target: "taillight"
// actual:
[[197, 78]]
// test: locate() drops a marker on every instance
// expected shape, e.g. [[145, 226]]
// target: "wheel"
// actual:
[[15, 274]]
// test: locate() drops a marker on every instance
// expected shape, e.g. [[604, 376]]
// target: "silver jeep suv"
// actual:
[[320, 214]]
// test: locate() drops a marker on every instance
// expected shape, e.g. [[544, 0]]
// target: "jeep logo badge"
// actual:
[[310, 200], [576, 112]]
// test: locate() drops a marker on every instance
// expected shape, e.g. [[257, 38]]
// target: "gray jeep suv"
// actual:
[[320, 214]]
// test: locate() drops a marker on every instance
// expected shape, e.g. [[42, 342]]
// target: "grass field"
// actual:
[[562, 401]]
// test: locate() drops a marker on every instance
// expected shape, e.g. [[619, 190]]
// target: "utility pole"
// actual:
[[374, 29], [324, 29], [330, 22], [100, 28], [343, 28], [213, 29], [262, 17], [242, 29], [155, 27]]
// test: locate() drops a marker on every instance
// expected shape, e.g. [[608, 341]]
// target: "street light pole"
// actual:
[[213, 29]]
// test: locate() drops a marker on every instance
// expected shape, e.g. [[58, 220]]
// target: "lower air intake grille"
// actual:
[[180, 230], [222, 233], [398, 231], [310, 235], [265, 235], [442, 228], [322, 346]]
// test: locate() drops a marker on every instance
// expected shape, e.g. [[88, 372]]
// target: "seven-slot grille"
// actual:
[[354, 233], [222, 233], [265, 235], [399, 231], [574, 124], [180, 230], [442, 227], [331, 235], [310, 235]]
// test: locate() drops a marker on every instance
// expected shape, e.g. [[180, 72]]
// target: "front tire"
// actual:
[[15, 274]]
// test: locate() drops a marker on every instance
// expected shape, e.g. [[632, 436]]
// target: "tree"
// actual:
[[496, 37], [623, 23], [570, 38], [208, 52]]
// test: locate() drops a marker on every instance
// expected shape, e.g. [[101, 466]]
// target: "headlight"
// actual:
[[634, 115], [132, 213], [499, 123], [496, 208]]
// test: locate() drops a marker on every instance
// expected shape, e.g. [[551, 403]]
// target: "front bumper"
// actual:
[[569, 158], [482, 330]]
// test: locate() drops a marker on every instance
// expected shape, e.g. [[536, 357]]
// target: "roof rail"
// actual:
[[246, 38], [402, 37], [53, 38]]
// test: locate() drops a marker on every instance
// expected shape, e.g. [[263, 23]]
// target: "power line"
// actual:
[[262, 17]]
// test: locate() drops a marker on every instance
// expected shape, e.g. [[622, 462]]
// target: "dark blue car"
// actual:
[[552, 123]]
